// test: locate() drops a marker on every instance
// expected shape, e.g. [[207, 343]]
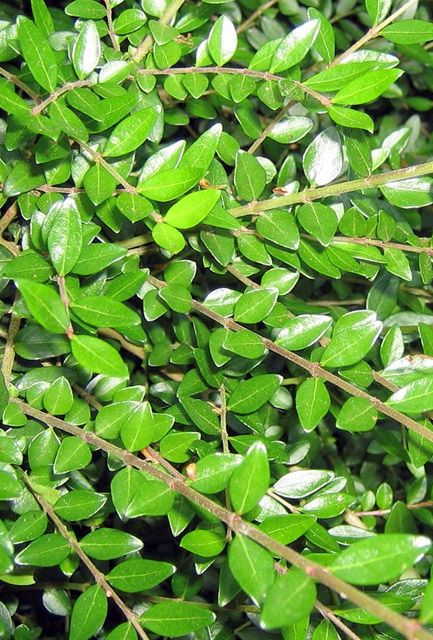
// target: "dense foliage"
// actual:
[[216, 335]]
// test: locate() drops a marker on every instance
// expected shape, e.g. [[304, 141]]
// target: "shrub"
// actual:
[[217, 336]]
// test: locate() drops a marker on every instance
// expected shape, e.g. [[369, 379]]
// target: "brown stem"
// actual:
[[255, 15], [7, 217], [98, 576], [65, 300], [69, 86], [327, 613], [97, 157], [9, 350], [427, 504], [410, 628], [262, 137], [168, 15], [372, 33], [111, 31], [128, 346], [19, 83]]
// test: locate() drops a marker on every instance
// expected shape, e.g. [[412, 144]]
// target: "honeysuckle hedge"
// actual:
[[217, 335]]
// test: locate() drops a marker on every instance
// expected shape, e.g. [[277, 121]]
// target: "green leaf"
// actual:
[[252, 394], [10, 487], [244, 343], [58, 398], [353, 336], [133, 206], [79, 504], [137, 574], [29, 265], [23, 177], [318, 220], [67, 121], [177, 298], [380, 559], [323, 158], [175, 619], [108, 544], [73, 454], [312, 402], [102, 311], [11, 102], [378, 10], [202, 415], [98, 256], [138, 430], [288, 528], [367, 88], [168, 237], [250, 480], [204, 542], [170, 184], [130, 133], [191, 209], [29, 525], [302, 483], [338, 76], [45, 306], [249, 177], [351, 118], [408, 32], [415, 397], [325, 41], [252, 567], [98, 356], [38, 54], [99, 184], [303, 331], [291, 129], [414, 192], [213, 472], [279, 227], [295, 46], [87, 50], [48, 550], [254, 305], [357, 414], [426, 614], [123, 631], [65, 238], [290, 598], [222, 41], [88, 614]]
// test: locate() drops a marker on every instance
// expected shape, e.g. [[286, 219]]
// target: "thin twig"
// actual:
[[128, 346], [327, 613], [111, 31], [19, 83], [372, 33], [337, 189], [9, 350], [255, 15], [98, 576], [427, 504], [7, 217], [168, 15], [69, 86]]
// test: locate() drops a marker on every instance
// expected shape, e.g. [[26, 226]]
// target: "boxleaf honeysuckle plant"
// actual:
[[217, 336]]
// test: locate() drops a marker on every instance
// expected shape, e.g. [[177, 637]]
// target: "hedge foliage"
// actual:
[[217, 335]]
